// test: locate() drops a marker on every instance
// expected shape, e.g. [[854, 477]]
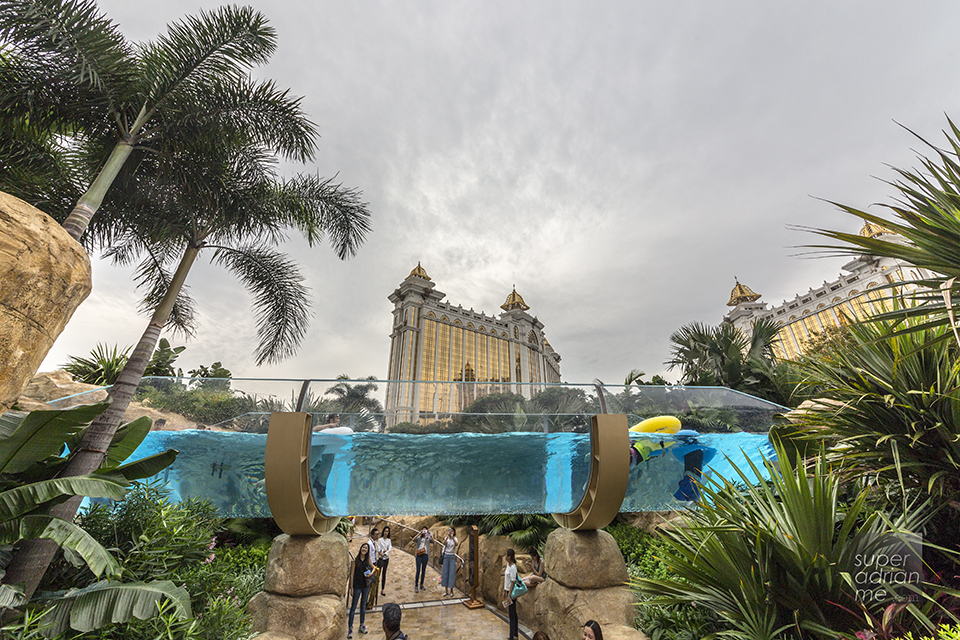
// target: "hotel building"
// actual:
[[460, 354], [850, 296]]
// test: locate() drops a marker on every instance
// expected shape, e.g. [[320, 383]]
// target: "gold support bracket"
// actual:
[[288, 476], [609, 472]]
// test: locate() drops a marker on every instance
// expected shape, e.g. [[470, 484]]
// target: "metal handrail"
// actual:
[[432, 539]]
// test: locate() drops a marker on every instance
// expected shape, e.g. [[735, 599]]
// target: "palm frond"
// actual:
[[152, 274], [71, 35], [279, 297], [255, 110], [211, 46], [321, 207]]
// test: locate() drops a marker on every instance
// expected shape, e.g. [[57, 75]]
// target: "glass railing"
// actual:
[[408, 448]]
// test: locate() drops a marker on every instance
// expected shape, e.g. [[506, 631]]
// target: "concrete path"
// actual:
[[427, 615]]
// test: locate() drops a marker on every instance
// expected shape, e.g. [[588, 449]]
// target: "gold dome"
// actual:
[[514, 301], [420, 272], [742, 293], [871, 230]]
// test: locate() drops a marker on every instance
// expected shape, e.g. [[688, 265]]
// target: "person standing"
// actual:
[[375, 561], [391, 622], [422, 557], [509, 577], [384, 547], [448, 576], [362, 568]]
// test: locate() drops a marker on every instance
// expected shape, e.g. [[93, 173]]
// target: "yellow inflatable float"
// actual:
[[644, 448], [658, 424]]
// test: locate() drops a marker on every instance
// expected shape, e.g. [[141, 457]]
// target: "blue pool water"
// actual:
[[463, 473]]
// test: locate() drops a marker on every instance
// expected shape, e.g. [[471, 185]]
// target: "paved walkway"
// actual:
[[427, 615]]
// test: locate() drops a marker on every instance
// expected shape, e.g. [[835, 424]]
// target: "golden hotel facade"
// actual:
[[460, 354], [851, 296]]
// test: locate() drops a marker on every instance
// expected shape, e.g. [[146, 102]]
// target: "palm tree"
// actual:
[[723, 356], [227, 200], [68, 71], [926, 216], [353, 398]]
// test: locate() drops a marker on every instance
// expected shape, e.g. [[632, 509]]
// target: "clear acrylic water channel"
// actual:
[[513, 449]]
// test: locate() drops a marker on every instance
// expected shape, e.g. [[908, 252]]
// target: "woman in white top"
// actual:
[[384, 547], [448, 576], [509, 577]]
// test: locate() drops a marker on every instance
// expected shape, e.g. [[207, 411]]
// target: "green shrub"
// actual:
[[772, 559], [204, 404], [944, 632], [152, 537], [642, 551], [677, 622]]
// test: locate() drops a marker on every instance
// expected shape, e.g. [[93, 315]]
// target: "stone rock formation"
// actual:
[[44, 388], [44, 276], [303, 596]]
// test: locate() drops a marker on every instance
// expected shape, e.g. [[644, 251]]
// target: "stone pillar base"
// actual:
[[304, 589], [586, 577]]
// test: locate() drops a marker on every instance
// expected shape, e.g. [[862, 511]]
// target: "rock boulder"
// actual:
[[313, 618], [301, 566], [584, 560], [44, 276]]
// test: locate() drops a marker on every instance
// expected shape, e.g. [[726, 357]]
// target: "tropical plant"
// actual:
[[180, 542], [224, 196], [926, 217], [525, 529], [944, 632], [723, 356], [101, 368], [69, 72], [161, 362], [30, 459], [776, 558], [889, 407], [353, 398], [563, 408]]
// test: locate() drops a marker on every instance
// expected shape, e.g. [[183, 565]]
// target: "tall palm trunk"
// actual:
[[88, 204], [32, 559]]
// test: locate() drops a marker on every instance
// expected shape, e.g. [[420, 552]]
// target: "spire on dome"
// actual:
[[514, 301], [420, 272], [742, 293], [871, 230]]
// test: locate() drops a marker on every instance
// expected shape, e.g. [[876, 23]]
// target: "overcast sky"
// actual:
[[618, 162]]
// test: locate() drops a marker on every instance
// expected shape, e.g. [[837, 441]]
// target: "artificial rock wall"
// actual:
[[44, 276]]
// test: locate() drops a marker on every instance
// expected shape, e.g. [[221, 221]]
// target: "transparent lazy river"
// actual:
[[505, 449]]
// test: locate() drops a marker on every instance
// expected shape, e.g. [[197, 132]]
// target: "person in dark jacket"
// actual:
[[391, 621]]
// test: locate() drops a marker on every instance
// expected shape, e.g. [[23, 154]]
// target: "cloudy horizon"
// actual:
[[619, 164]]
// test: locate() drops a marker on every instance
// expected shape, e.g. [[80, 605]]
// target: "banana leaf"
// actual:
[[103, 603], [127, 439], [146, 467], [65, 534], [42, 434], [23, 499]]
